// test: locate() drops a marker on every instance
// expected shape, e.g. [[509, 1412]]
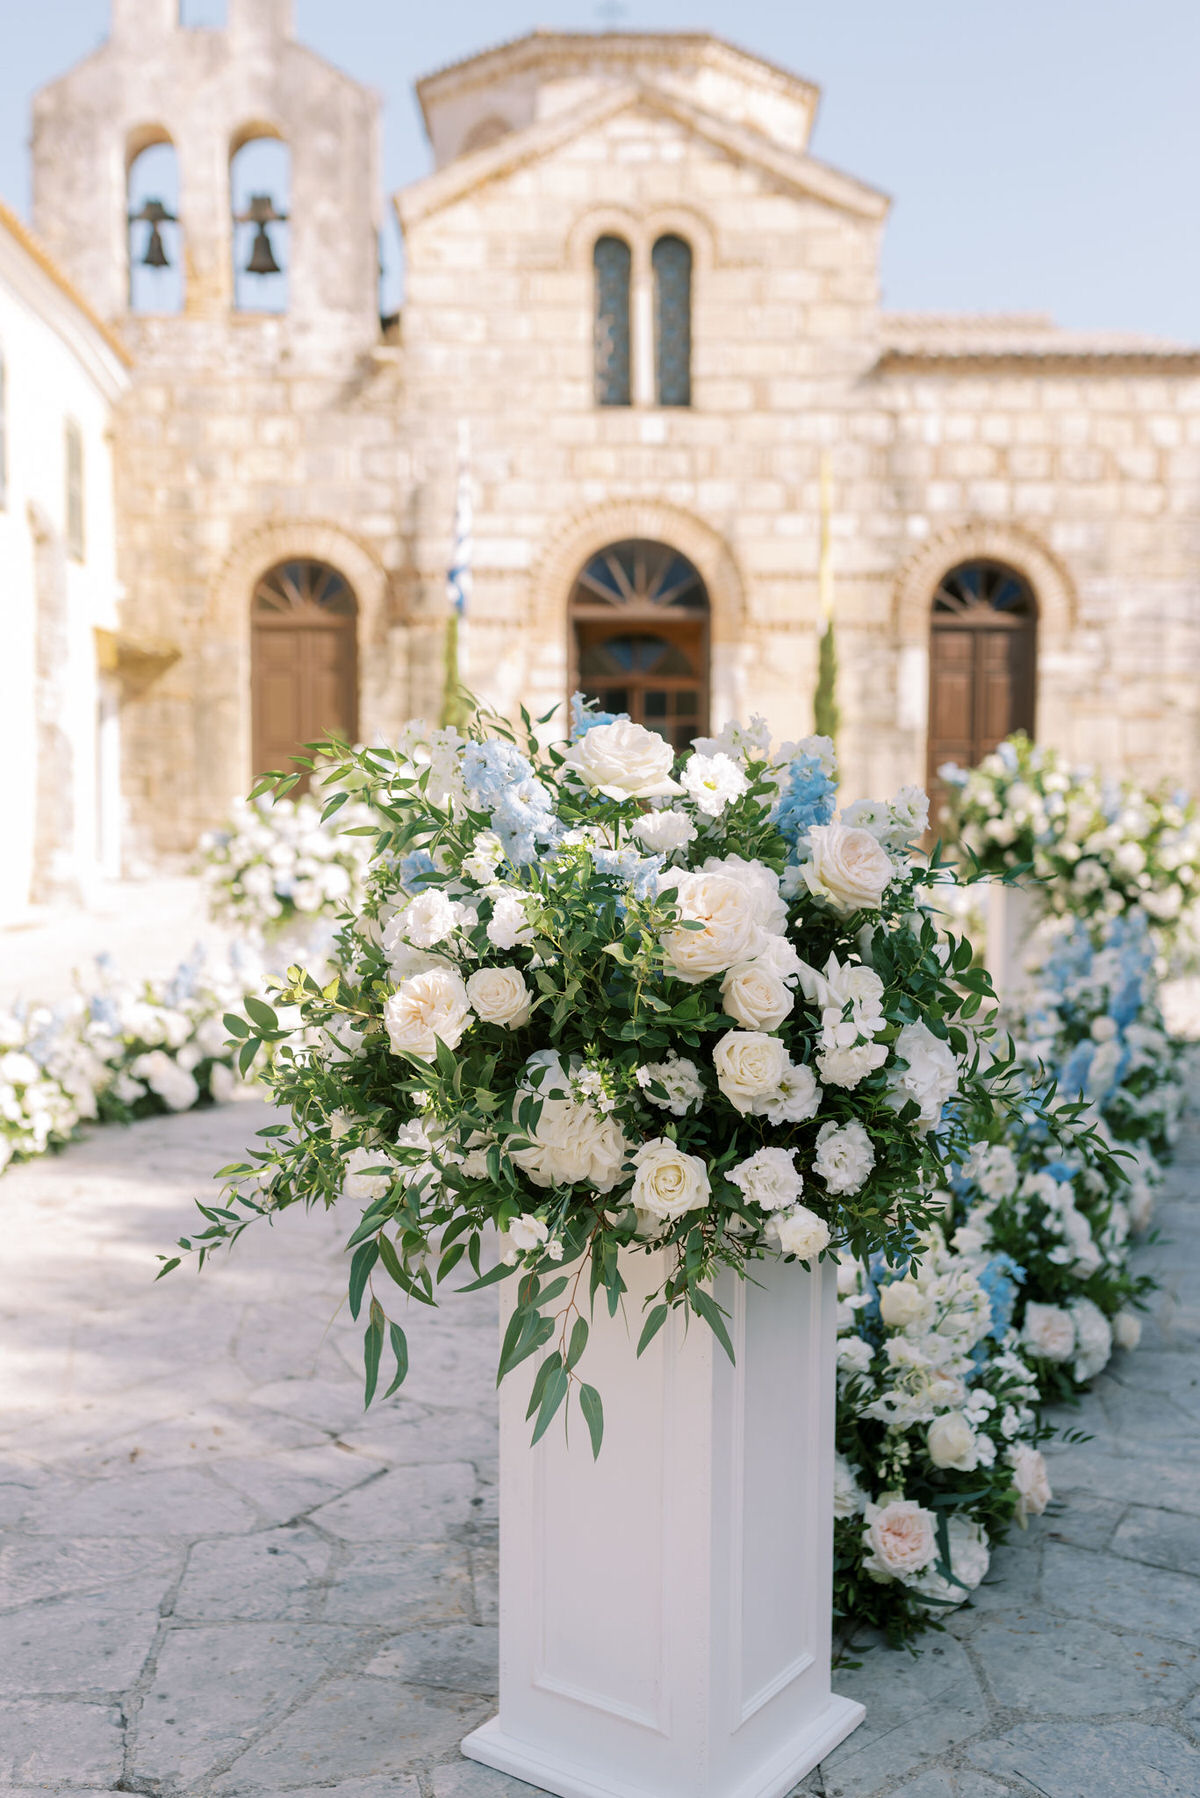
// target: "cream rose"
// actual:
[[753, 997], [730, 935], [750, 1067], [430, 1008], [848, 868], [1029, 1477], [624, 761], [500, 996], [798, 1232], [952, 1442], [902, 1303], [900, 1538], [1049, 1332], [667, 1182]]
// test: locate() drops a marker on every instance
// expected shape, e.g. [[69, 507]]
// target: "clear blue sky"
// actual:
[[1041, 154]]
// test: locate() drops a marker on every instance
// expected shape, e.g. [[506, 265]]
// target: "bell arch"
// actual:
[[260, 179], [156, 281]]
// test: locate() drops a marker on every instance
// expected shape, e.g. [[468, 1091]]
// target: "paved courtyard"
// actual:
[[219, 1579]]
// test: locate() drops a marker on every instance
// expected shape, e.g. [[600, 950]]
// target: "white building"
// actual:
[[61, 369]]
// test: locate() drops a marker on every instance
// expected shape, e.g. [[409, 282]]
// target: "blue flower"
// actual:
[[806, 798], [584, 717], [489, 768], [1074, 1075], [1000, 1279], [417, 868]]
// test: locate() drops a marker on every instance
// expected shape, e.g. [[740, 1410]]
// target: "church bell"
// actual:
[[154, 214], [261, 212]]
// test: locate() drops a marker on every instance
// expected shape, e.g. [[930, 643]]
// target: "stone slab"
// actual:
[[1064, 1665], [44, 1740], [276, 1574], [1072, 1760], [459, 1657], [1125, 1593]]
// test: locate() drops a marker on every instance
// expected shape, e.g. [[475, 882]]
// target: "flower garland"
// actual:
[[275, 867]]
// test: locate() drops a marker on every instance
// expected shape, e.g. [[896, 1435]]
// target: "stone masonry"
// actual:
[[1073, 458]]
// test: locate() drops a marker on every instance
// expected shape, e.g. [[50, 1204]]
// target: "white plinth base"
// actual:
[[1011, 917], [665, 1612], [521, 1760]]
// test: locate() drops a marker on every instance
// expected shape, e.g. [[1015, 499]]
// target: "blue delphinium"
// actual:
[[1000, 1279], [416, 870], [806, 798], [585, 717]]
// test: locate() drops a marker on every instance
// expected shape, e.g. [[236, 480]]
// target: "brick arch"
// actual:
[[641, 230], [1012, 544]]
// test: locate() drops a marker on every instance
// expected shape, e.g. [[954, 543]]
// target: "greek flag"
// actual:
[[458, 575]]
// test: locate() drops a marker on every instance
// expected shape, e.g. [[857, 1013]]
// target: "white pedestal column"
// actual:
[[665, 1612], [1011, 916]]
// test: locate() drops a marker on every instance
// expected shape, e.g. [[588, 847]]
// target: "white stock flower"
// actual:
[[952, 1442], [679, 1079], [500, 996], [768, 1178], [667, 1182], [931, 1074], [900, 1537], [848, 869], [524, 1233], [854, 1354], [427, 1009], [1093, 1339], [713, 782], [750, 1069], [754, 997], [1029, 1477], [664, 832], [730, 931], [844, 1157], [1049, 1332], [623, 761], [798, 1231], [848, 1496], [847, 1067]]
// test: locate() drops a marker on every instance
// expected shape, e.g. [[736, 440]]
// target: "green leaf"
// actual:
[[553, 1396], [652, 1326], [578, 1342], [168, 1266], [517, 1324], [263, 1014], [246, 1055], [539, 1385], [364, 1260], [499, 1272], [710, 1311], [235, 1025], [373, 1349], [400, 1350], [593, 1410]]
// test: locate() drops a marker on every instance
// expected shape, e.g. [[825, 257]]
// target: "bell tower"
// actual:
[[232, 156]]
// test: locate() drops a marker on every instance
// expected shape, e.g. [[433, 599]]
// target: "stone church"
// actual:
[[658, 317]]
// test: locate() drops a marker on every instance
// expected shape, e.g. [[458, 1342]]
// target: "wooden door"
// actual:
[[304, 662], [982, 672]]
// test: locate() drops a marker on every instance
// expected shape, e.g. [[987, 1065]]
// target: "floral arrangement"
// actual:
[[1095, 847], [606, 998], [275, 867]]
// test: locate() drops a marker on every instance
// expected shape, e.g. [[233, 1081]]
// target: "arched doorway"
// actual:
[[639, 620], [982, 664], [304, 660]]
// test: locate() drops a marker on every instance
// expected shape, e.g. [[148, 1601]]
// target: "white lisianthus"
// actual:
[[668, 1182], [500, 996], [930, 1076], [798, 1231], [679, 1079], [524, 1233], [1034, 1492], [848, 869], [797, 1097], [849, 997], [623, 761], [487, 852], [768, 1179], [750, 1069], [713, 782], [952, 1442], [1049, 1332], [902, 1304], [664, 832], [848, 1496], [425, 921], [846, 1067], [508, 927], [900, 1538], [754, 997], [844, 1157], [356, 1184], [1093, 1339], [725, 909], [430, 1008]]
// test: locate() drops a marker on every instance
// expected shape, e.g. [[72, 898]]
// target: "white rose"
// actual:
[[358, 1185], [1049, 1332], [524, 1233], [844, 1157], [1029, 1477], [725, 909], [848, 868], [428, 1009], [902, 1303], [848, 1496], [798, 1232], [713, 782], [754, 997], [571, 1141], [500, 996], [769, 1179], [952, 1442], [900, 1538], [623, 761], [667, 1182], [1127, 1329], [760, 885], [664, 832], [1093, 1339], [931, 1074], [750, 1069]]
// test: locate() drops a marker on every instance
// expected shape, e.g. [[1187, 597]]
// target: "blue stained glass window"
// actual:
[[671, 259], [611, 260]]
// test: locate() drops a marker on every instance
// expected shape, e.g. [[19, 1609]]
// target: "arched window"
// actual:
[[260, 176], [304, 661], [639, 637], [155, 239], [612, 261], [982, 663], [671, 260]]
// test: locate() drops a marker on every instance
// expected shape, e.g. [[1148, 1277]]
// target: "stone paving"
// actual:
[[219, 1579]]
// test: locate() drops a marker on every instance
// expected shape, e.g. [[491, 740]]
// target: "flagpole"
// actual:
[[825, 706], [458, 584]]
